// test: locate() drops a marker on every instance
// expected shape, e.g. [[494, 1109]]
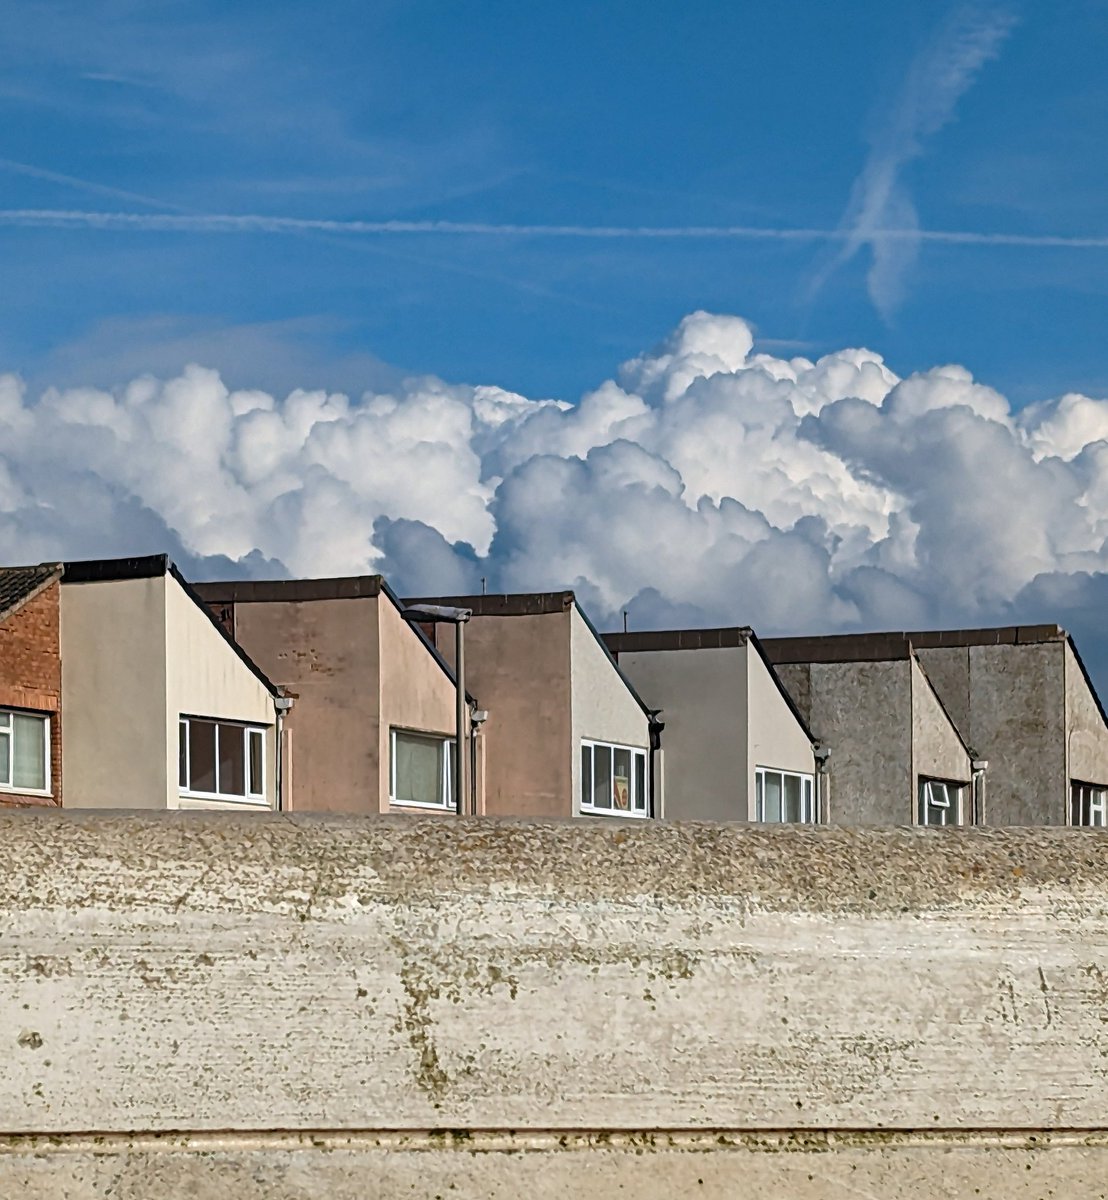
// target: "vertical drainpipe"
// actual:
[[823, 790], [281, 704], [460, 756], [654, 728], [980, 766]]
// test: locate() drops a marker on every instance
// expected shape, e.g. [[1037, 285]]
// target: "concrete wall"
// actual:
[[206, 678], [703, 695], [416, 693], [206, 1005], [116, 746], [1087, 744], [863, 711], [1016, 720], [603, 708], [777, 739], [519, 669], [327, 653], [937, 750]]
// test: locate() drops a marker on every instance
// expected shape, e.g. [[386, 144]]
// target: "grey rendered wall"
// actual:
[[206, 1005], [113, 648], [939, 752], [863, 711], [1087, 737], [1017, 720], [703, 695]]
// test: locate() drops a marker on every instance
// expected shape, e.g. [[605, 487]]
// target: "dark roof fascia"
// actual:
[[649, 640], [840, 648], [245, 658], [1001, 635], [785, 693], [103, 570], [416, 628], [291, 591], [55, 573], [508, 604], [650, 712], [946, 712]]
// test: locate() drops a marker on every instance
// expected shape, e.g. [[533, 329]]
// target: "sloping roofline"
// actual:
[[153, 566], [297, 591], [37, 577], [720, 638], [535, 604]]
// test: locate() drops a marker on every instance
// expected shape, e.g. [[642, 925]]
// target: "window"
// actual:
[[24, 752], [221, 761], [613, 780], [940, 802], [1088, 805], [421, 770], [784, 797]]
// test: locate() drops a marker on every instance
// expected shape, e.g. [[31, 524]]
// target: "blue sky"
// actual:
[[503, 114]]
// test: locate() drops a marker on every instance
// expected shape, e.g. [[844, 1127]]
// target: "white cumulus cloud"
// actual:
[[705, 482]]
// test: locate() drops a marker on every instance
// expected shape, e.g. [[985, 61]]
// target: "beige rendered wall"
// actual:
[[206, 678], [777, 739], [519, 670], [1087, 738], [703, 697], [937, 750], [193, 1007], [603, 709], [416, 693], [115, 749], [326, 653]]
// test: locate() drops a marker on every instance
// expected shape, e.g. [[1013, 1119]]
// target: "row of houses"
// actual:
[[122, 685]]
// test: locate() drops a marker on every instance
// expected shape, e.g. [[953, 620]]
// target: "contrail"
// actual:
[[257, 223]]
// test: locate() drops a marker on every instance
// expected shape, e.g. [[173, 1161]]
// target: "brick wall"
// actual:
[[31, 678]]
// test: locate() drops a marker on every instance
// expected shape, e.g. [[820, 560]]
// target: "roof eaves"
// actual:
[[47, 573]]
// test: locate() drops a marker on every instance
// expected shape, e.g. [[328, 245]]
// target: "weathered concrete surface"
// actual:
[[293, 997]]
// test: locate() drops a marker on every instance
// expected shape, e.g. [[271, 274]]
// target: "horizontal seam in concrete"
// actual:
[[493, 1141]]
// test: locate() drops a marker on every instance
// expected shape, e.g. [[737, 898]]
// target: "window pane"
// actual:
[[257, 741], [201, 756], [792, 798], [232, 764], [602, 776], [5, 759], [807, 812], [640, 783], [771, 787], [419, 768], [586, 775], [759, 799], [5, 720], [182, 754], [621, 779], [1076, 814], [29, 752]]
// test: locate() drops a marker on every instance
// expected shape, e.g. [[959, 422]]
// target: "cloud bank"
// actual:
[[705, 483]]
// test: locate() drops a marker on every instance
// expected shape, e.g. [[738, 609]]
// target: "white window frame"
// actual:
[[809, 802], [940, 801], [8, 731], [1097, 806], [446, 780], [586, 788], [251, 798]]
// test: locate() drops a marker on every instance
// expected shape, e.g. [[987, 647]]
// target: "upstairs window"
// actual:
[[24, 752], [613, 779], [421, 771], [221, 761], [784, 797], [940, 802], [1088, 805]]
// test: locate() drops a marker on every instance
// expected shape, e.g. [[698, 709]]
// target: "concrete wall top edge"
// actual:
[[272, 863]]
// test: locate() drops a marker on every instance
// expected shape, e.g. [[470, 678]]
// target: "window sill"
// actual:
[[622, 813], [417, 806], [42, 793], [212, 798]]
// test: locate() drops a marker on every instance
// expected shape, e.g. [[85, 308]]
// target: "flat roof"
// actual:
[[842, 647], [678, 639], [269, 591], [508, 604]]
